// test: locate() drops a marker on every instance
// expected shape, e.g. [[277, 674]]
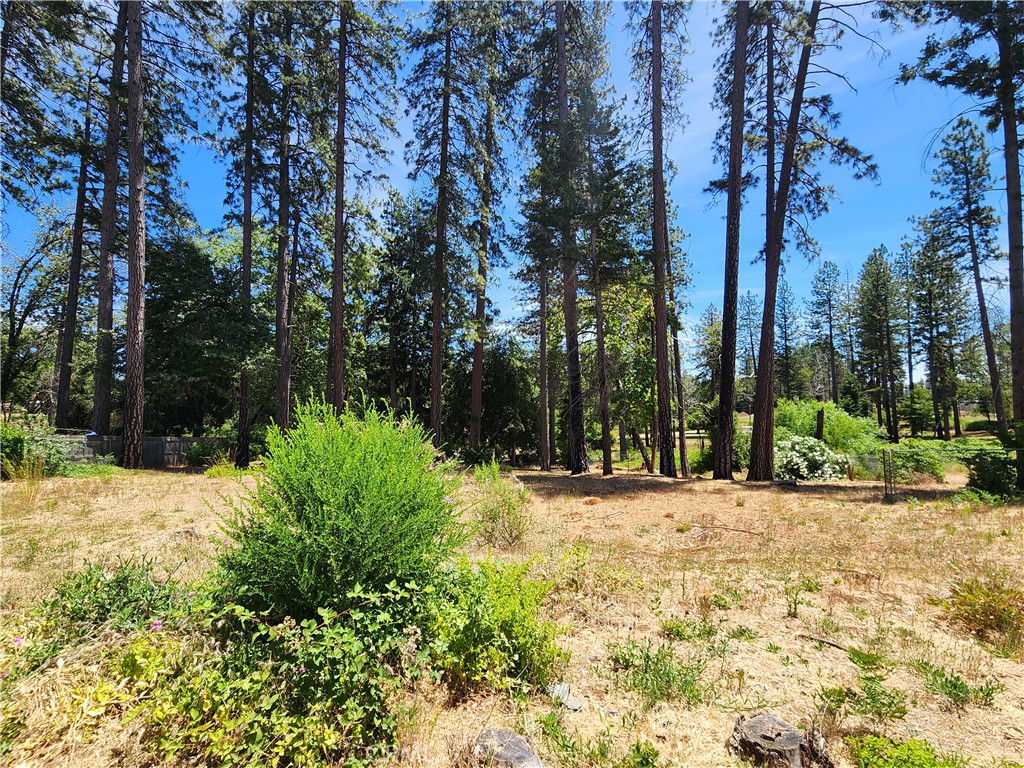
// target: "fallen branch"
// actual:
[[823, 641], [727, 528]]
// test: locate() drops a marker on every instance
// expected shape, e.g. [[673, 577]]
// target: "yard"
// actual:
[[761, 598]]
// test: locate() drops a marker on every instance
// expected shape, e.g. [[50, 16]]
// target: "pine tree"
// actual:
[[996, 83], [823, 316], [967, 227]]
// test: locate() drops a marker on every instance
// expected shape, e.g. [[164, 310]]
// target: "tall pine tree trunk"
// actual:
[[602, 356], [336, 342], [762, 447], [131, 445], [1011, 152], [245, 380], [441, 241], [986, 330], [70, 324], [104, 373], [542, 424], [730, 306], [480, 316], [577, 442], [282, 334], [684, 458], [666, 444]]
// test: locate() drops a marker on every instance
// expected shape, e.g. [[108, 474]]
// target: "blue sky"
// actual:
[[897, 124]]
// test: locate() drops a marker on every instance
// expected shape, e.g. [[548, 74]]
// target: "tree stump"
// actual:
[[768, 740]]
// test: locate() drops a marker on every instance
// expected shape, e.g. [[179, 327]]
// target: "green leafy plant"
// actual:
[[201, 453], [989, 606], [341, 501], [655, 674], [991, 470], [484, 630], [958, 692], [870, 699], [502, 507], [881, 752], [909, 464], [314, 692], [804, 458], [12, 449]]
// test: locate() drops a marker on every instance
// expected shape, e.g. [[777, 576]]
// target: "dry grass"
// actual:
[[625, 553]]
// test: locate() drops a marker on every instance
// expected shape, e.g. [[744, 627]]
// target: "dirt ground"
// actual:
[[625, 553]]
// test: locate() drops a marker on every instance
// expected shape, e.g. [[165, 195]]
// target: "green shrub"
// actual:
[[484, 629], [201, 453], [843, 433], [656, 674], [502, 512], [991, 470], [804, 458], [341, 502], [31, 452], [314, 693], [880, 752], [910, 464], [12, 449], [991, 607]]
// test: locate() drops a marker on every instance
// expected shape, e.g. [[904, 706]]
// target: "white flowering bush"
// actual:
[[804, 458]]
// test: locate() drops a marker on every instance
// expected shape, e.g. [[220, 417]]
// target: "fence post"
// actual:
[[889, 476]]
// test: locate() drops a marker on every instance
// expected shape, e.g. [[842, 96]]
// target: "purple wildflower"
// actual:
[[156, 626], [19, 641]]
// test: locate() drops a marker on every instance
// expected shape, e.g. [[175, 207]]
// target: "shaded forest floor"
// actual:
[[631, 559]]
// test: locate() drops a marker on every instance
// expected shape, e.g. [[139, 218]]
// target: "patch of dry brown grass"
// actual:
[[623, 554]]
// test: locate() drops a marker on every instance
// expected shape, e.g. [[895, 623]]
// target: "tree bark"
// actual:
[[544, 445], [577, 445], [734, 202], [1011, 154], [282, 335], [103, 377], [245, 379], [70, 325], [666, 445], [480, 316], [684, 458], [441, 241], [131, 445], [602, 357], [762, 448], [336, 342]]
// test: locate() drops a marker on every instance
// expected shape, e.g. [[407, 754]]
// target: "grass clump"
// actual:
[[655, 674], [881, 752], [342, 501], [502, 513], [957, 691], [991, 607]]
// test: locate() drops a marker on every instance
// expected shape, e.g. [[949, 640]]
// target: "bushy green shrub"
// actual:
[[341, 501], [34, 450], [313, 693], [12, 449], [501, 507], [843, 433], [201, 453], [484, 629], [804, 458], [991, 470], [912, 463]]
